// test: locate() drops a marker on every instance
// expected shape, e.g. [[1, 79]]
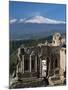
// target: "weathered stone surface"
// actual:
[[30, 62]]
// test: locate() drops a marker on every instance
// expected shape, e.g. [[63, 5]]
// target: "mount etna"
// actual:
[[34, 27]]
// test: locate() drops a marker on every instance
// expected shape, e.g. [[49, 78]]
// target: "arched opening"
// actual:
[[26, 63], [45, 67], [33, 62], [56, 63]]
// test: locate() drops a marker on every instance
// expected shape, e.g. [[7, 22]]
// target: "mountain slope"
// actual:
[[28, 31]]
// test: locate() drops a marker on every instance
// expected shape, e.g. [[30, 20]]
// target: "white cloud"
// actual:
[[12, 21]]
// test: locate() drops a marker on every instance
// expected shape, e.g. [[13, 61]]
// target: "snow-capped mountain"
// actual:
[[38, 20], [41, 19]]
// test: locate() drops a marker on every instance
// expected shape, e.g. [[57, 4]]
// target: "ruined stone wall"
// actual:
[[49, 53]]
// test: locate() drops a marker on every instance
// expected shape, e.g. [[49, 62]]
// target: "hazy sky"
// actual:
[[20, 10]]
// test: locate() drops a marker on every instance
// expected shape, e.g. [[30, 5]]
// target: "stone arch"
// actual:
[[45, 66]]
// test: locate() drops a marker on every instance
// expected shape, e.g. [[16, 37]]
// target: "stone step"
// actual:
[[27, 74]]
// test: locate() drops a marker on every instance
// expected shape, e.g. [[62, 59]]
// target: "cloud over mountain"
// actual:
[[38, 20], [12, 21]]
